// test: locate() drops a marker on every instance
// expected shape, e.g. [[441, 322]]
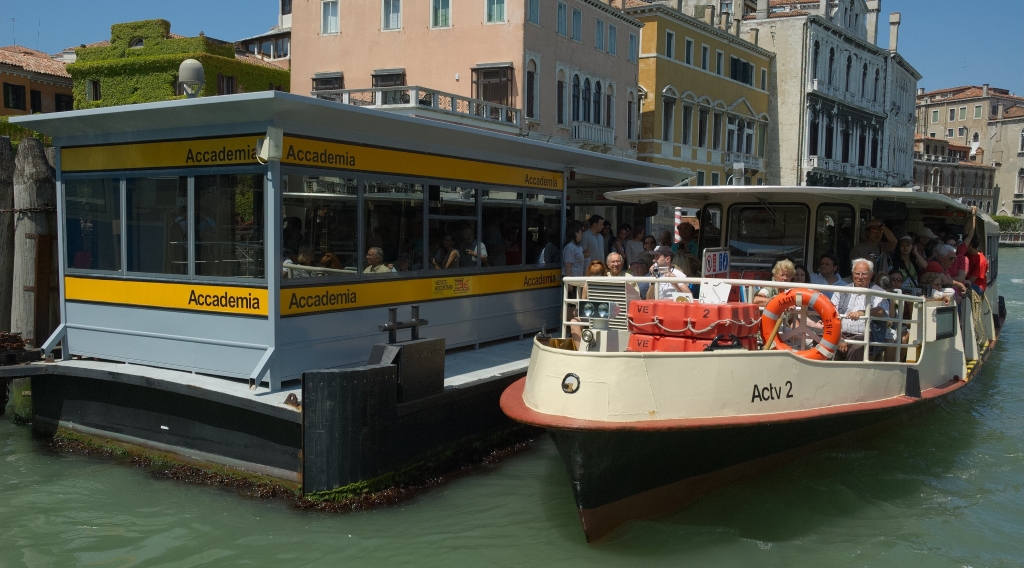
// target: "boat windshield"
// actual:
[[759, 234]]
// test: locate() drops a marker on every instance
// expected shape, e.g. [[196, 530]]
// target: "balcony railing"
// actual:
[[749, 161], [840, 166], [594, 133], [389, 98], [835, 91], [936, 158]]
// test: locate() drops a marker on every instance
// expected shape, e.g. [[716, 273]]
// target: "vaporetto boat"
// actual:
[[644, 431]]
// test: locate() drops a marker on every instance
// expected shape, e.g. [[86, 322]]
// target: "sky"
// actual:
[[950, 42]]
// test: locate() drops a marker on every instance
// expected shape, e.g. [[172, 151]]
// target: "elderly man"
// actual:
[[852, 307], [375, 262], [615, 265], [946, 256]]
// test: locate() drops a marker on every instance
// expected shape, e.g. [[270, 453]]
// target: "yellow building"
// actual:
[[707, 104]]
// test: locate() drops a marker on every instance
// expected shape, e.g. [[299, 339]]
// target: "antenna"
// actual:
[[14, 37], [39, 28]]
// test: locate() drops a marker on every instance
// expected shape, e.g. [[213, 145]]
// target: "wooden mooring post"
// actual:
[[6, 231]]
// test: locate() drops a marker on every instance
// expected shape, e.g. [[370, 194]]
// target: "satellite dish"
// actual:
[[191, 77]]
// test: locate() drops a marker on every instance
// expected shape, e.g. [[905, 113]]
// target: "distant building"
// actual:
[[274, 45], [706, 103], [558, 71], [988, 120], [33, 82], [844, 106], [140, 64], [955, 170]]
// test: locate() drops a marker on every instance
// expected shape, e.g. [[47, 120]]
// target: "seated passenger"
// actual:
[[783, 271], [375, 262], [639, 268], [402, 263], [800, 274], [304, 260], [330, 260], [663, 268], [851, 307], [615, 265], [828, 264], [445, 256], [596, 268], [945, 259]]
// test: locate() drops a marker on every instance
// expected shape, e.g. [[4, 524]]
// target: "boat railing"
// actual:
[[913, 324]]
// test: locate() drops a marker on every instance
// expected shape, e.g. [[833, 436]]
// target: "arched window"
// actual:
[[849, 70], [609, 106], [575, 98], [585, 100], [1020, 180], [531, 89], [560, 98], [864, 81], [831, 63], [874, 97], [597, 102], [630, 111], [815, 62], [1021, 141]]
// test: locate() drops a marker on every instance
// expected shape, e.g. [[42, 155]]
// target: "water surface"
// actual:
[[948, 490]]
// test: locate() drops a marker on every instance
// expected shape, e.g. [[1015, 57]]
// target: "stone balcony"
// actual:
[[838, 166], [836, 92], [936, 158], [749, 161], [587, 132], [430, 103]]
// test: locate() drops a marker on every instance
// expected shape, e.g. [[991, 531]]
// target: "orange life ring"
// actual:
[[801, 297]]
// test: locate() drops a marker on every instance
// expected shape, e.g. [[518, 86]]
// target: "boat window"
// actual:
[[393, 222], [92, 212], [453, 244], [710, 227], [157, 224], [228, 227], [319, 225], [501, 233], [452, 200], [543, 232], [758, 234], [833, 234]]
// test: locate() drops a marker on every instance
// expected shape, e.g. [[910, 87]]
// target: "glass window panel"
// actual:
[[833, 233], [92, 212], [453, 244], [319, 228], [229, 225], [758, 234], [157, 225], [710, 234], [393, 217], [543, 230], [452, 200], [502, 232]]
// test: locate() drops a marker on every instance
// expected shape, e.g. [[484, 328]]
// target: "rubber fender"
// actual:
[[692, 319]]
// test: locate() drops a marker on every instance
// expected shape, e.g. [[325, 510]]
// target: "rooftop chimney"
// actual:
[[762, 10], [894, 30], [984, 90], [709, 14], [920, 91], [999, 110], [725, 21], [874, 7], [752, 35]]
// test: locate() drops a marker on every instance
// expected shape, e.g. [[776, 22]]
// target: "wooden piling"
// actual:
[[6, 231], [21, 394], [35, 219]]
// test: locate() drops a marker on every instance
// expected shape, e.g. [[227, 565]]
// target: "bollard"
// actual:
[[21, 394], [6, 231]]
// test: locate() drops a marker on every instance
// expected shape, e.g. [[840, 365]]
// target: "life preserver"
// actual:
[[802, 297]]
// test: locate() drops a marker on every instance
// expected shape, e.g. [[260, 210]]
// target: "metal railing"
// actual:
[[1011, 238], [388, 98], [590, 132], [936, 158], [898, 305]]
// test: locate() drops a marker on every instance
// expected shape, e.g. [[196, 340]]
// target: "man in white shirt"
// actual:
[[663, 269], [853, 306], [593, 241]]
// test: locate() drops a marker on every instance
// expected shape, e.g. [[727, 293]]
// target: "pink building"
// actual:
[[563, 71]]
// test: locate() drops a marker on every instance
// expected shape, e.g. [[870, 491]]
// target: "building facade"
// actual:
[[1005, 139], [274, 45], [33, 82], [706, 101], [140, 64], [563, 71], [956, 171], [843, 105]]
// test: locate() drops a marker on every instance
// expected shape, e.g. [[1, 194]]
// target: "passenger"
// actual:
[[473, 249], [650, 243], [572, 253], [663, 268], [946, 256], [305, 259], [592, 242], [977, 273], [287, 258], [618, 244], [606, 237], [375, 262], [615, 265], [639, 269], [909, 262], [783, 271], [634, 246], [402, 263], [549, 252], [665, 238], [878, 246], [595, 268], [687, 264], [957, 270], [893, 281], [932, 287], [800, 274], [687, 242], [851, 307], [828, 265], [445, 257], [330, 260]]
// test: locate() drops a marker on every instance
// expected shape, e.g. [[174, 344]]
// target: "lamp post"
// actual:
[[191, 77]]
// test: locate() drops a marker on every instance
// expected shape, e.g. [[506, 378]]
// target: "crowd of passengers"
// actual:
[[939, 266]]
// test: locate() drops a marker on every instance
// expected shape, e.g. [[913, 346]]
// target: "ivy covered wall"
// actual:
[[141, 65]]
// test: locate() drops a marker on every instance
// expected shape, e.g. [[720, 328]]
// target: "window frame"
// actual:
[[977, 111], [719, 62], [688, 51], [727, 220], [384, 24], [670, 44], [495, 4], [705, 57], [324, 4], [562, 19], [435, 10], [634, 48], [599, 34], [613, 40], [533, 11], [577, 25]]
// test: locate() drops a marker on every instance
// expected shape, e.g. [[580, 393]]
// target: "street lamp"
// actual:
[[191, 77]]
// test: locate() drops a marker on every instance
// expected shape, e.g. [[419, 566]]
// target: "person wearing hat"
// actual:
[[663, 268], [876, 248], [946, 255], [909, 262]]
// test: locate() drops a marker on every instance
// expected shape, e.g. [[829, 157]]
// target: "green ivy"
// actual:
[[17, 133], [155, 42], [1009, 224]]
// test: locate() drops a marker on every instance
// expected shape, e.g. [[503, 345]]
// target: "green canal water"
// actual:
[[948, 490]]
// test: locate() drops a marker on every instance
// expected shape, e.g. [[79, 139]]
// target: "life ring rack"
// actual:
[[802, 297]]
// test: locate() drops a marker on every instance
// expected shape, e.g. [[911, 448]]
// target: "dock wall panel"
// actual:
[[172, 419]]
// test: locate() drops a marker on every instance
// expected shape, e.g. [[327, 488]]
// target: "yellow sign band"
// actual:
[[334, 297], [241, 150], [168, 295]]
